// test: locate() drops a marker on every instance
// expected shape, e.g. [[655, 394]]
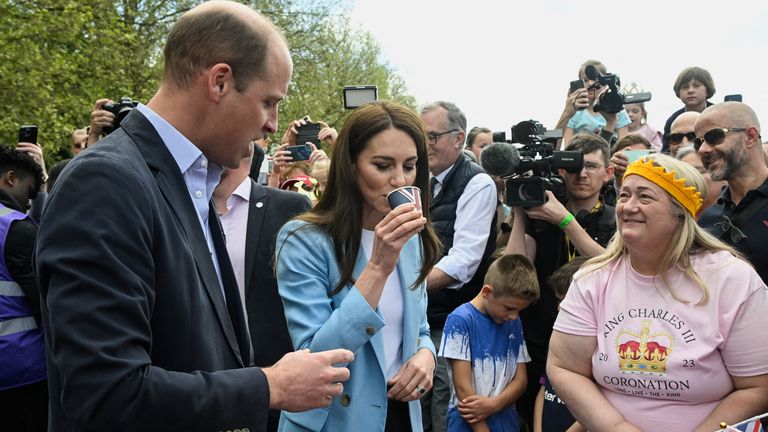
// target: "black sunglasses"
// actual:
[[677, 138], [714, 137], [725, 225]]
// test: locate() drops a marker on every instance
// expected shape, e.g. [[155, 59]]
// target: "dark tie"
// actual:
[[232, 294], [432, 184]]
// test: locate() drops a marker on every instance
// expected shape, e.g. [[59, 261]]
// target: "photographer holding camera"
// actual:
[[100, 118], [554, 233], [106, 117], [595, 117]]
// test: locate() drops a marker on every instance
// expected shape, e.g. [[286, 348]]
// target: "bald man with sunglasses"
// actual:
[[681, 132], [729, 144]]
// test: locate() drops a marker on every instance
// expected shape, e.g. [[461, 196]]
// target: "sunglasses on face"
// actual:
[[677, 138], [726, 226], [714, 137]]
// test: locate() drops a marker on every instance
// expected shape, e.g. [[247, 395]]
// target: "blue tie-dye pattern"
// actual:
[[469, 335]]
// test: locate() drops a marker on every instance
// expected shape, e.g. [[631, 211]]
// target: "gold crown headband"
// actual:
[[687, 196]]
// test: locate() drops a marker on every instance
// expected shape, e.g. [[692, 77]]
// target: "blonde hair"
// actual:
[[689, 239], [319, 166]]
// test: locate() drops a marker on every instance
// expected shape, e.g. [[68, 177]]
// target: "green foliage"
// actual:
[[57, 57], [328, 54]]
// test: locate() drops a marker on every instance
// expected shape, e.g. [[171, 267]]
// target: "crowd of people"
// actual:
[[181, 272]]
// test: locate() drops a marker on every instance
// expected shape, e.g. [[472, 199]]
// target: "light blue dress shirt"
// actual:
[[200, 176]]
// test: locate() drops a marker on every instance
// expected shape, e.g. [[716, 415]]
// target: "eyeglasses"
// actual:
[[714, 136], [434, 136], [676, 138], [726, 225], [591, 167]]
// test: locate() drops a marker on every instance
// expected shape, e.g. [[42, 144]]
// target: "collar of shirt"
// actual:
[[200, 176], [725, 195], [241, 194], [440, 177]]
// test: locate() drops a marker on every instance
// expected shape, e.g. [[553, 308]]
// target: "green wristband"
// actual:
[[566, 220]]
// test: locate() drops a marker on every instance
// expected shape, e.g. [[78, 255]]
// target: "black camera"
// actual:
[[613, 99], [120, 110], [529, 163]]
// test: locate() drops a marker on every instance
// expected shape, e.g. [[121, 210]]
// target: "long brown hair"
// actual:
[[340, 209]]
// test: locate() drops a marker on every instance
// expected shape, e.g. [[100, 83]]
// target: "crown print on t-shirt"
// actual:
[[644, 352]]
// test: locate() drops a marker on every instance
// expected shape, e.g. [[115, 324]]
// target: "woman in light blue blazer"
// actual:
[[352, 274]]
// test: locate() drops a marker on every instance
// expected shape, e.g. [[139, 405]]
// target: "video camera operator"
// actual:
[[554, 233]]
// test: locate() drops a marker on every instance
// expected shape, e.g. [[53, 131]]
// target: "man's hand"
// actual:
[[551, 211], [477, 408], [302, 380], [99, 119], [416, 373], [33, 150]]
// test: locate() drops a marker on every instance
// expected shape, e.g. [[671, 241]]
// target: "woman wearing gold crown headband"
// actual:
[[663, 331]]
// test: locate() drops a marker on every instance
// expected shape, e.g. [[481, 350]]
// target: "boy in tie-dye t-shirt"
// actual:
[[485, 350]]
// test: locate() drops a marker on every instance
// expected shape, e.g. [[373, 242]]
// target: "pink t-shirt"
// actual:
[[662, 363]]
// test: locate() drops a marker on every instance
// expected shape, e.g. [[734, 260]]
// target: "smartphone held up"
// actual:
[[28, 133]]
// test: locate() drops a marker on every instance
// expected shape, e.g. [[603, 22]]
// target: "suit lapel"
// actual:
[[254, 240], [171, 184]]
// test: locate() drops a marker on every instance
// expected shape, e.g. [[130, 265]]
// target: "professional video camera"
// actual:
[[529, 164], [613, 99], [120, 110]]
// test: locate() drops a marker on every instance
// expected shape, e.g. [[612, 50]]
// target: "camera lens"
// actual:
[[526, 192]]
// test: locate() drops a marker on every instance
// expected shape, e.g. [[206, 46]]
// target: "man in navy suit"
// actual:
[[251, 216], [144, 325]]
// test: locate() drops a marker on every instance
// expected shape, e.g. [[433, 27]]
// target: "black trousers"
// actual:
[[25, 408], [398, 417]]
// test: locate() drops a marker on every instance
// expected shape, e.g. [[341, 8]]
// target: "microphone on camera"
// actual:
[[500, 159]]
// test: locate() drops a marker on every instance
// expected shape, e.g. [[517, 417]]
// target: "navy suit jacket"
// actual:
[[269, 208], [137, 330]]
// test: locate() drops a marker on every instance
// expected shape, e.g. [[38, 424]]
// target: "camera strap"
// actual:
[[745, 215]]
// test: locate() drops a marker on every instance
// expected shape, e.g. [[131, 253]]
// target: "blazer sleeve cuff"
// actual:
[[351, 325]]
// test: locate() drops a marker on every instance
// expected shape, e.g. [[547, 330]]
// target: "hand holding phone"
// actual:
[[299, 152], [28, 133], [577, 95], [633, 155], [575, 85], [308, 132]]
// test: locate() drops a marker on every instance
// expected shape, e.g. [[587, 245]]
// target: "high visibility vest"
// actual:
[[22, 344]]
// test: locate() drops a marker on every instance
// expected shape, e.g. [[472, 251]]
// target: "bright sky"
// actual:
[[506, 61]]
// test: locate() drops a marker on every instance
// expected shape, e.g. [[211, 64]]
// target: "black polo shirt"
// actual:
[[756, 228]]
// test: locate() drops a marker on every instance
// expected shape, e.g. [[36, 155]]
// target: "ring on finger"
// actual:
[[421, 390]]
